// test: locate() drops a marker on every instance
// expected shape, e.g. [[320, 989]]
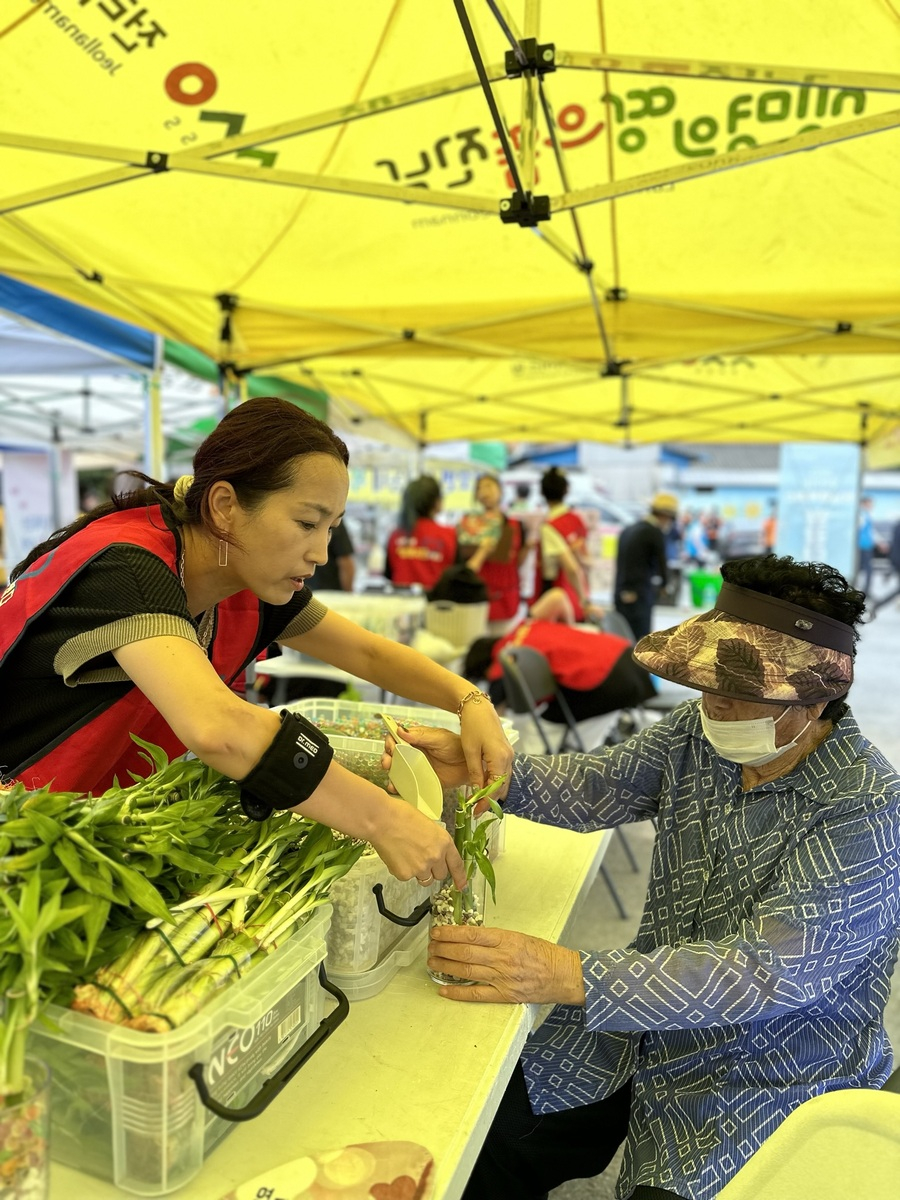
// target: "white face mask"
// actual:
[[751, 743]]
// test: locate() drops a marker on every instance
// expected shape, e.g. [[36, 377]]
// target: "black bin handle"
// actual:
[[414, 917], [273, 1086]]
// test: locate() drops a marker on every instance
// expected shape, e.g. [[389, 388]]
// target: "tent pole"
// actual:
[[153, 432]]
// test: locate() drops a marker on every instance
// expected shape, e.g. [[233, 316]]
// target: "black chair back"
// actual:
[[613, 622], [528, 683]]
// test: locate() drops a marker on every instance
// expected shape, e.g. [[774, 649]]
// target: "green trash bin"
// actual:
[[705, 587]]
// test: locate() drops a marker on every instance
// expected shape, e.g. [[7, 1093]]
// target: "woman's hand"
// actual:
[[411, 844], [507, 967], [442, 748], [485, 746]]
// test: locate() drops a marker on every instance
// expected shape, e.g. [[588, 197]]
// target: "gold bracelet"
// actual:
[[477, 696]]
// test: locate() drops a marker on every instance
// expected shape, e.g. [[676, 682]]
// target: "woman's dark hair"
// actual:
[[554, 485], [254, 447], [420, 498], [478, 659], [812, 585]]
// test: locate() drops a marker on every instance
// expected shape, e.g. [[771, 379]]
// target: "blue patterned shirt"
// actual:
[[761, 969]]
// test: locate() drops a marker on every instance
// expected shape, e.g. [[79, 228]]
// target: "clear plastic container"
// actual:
[[409, 948], [123, 1106], [322, 711], [452, 907], [362, 754], [359, 935]]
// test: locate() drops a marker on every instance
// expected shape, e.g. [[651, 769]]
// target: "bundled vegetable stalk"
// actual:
[[172, 969], [81, 875]]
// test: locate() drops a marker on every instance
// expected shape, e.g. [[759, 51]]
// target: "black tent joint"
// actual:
[[156, 161], [585, 264], [524, 210], [408, 335], [843, 327], [613, 368], [94, 277], [538, 60], [615, 294], [227, 304]]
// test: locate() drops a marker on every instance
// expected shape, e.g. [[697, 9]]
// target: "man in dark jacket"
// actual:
[[894, 557], [641, 563]]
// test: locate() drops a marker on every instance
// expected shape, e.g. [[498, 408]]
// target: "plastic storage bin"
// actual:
[[323, 711], [123, 1104], [409, 948], [359, 935]]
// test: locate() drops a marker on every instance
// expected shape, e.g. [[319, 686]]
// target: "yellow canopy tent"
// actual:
[[476, 218]]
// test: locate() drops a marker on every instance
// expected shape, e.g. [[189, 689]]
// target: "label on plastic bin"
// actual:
[[239, 1055], [365, 1171], [290, 1023]]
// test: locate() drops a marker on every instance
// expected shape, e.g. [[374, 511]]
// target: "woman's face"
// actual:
[[488, 493], [283, 541]]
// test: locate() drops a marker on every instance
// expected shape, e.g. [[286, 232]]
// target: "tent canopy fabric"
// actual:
[[500, 221]]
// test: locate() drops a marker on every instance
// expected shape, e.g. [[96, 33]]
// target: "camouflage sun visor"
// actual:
[[719, 653]]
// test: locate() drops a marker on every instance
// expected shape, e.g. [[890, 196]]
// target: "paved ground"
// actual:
[[874, 701]]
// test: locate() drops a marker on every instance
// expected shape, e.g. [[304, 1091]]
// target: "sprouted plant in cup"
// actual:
[[470, 835]]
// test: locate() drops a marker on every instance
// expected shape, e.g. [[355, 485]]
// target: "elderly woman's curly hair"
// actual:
[[813, 585]]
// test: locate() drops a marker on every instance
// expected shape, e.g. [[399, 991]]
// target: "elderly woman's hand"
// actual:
[[506, 967], [442, 748]]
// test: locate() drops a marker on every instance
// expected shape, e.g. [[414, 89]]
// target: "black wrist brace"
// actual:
[[289, 771]]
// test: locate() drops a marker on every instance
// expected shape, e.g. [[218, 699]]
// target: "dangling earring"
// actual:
[[223, 553]]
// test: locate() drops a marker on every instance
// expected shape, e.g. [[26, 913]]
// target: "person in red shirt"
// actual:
[[493, 545], [419, 550], [562, 547], [595, 671]]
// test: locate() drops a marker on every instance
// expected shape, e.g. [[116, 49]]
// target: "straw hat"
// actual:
[[755, 647], [664, 503]]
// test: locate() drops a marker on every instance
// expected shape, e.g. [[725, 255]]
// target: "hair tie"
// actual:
[[179, 497]]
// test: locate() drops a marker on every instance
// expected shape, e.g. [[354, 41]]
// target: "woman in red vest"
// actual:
[[419, 550], [595, 671], [494, 547], [136, 618], [563, 540]]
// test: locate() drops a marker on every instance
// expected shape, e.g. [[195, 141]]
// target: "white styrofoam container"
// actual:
[[123, 1106]]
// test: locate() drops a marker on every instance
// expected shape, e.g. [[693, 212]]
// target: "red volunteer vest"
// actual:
[[88, 758], [579, 658], [573, 529], [423, 555], [502, 579]]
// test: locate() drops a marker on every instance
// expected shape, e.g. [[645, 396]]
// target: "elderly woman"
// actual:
[[762, 965]]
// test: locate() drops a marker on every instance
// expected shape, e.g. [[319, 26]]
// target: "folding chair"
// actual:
[[529, 685], [663, 702]]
